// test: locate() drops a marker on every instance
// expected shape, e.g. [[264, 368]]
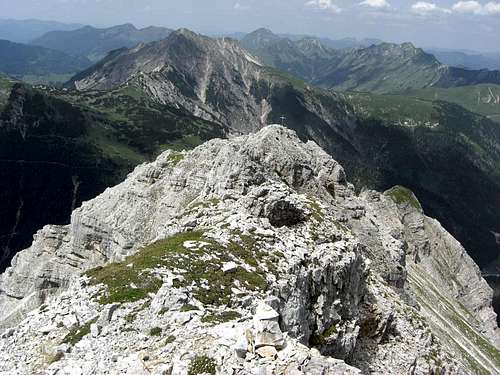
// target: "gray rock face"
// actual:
[[270, 264]]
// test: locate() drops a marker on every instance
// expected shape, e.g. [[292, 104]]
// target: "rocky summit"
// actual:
[[251, 255]]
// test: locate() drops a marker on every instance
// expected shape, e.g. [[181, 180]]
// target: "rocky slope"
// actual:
[[246, 256]]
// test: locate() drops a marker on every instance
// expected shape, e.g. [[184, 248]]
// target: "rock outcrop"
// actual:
[[446, 154], [246, 256]]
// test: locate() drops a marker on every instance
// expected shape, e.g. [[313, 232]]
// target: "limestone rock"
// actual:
[[250, 256], [267, 352]]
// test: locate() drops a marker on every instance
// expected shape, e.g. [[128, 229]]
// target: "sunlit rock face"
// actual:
[[246, 256]]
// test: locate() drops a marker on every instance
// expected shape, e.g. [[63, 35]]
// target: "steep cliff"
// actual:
[[246, 256], [58, 151]]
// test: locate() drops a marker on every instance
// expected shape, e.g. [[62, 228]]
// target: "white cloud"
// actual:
[[467, 7], [379, 4], [492, 8], [324, 5], [475, 7], [463, 7], [424, 8]]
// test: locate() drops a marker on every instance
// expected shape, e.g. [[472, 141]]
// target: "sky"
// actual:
[[468, 25]]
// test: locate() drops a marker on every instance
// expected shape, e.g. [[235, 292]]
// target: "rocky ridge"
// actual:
[[246, 256]]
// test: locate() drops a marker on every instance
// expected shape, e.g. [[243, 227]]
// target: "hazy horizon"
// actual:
[[464, 25]]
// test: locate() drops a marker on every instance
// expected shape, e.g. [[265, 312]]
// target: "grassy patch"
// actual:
[[202, 365], [402, 195], [316, 211], [187, 142], [155, 331], [321, 339], [396, 109], [131, 317], [175, 157], [169, 340], [111, 146], [188, 307], [476, 98], [76, 334], [225, 316], [134, 279]]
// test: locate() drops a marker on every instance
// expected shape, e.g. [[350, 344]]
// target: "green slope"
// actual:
[[483, 99], [6, 84]]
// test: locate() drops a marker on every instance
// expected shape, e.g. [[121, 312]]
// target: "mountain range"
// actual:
[[467, 59], [381, 68], [96, 43], [38, 64], [56, 56], [472, 60], [24, 31]]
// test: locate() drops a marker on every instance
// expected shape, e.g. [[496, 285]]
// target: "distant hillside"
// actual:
[[466, 60], [380, 68], [96, 43], [483, 99], [306, 58], [6, 84], [24, 31], [349, 43], [37, 64]]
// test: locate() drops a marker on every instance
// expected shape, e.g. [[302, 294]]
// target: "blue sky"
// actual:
[[455, 24]]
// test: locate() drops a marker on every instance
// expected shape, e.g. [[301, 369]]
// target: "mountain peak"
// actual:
[[186, 32], [262, 31], [125, 27], [260, 38]]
